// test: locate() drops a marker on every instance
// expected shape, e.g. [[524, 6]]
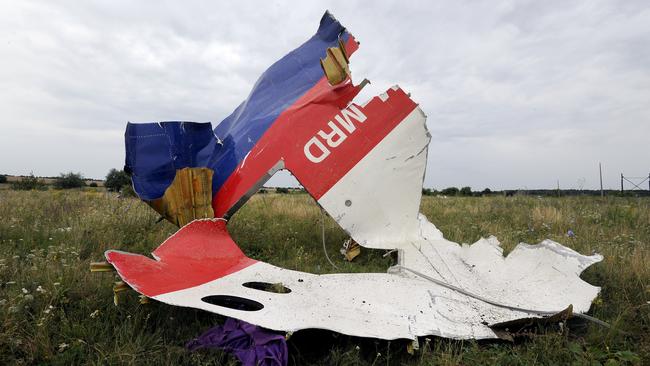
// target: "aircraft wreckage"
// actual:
[[364, 164]]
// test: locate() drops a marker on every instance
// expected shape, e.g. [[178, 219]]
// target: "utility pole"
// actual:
[[600, 170], [558, 188], [621, 182]]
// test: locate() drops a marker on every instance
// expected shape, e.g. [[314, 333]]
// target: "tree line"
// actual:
[[116, 181]]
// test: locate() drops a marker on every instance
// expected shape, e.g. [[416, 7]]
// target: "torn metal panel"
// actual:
[[364, 164], [213, 275], [438, 287], [290, 89], [188, 197]]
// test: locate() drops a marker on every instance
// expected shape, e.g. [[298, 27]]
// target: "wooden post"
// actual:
[[600, 170]]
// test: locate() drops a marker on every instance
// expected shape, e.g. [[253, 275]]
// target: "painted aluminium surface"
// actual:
[[377, 202], [364, 164]]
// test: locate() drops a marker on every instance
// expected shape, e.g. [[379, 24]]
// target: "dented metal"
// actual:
[[364, 164]]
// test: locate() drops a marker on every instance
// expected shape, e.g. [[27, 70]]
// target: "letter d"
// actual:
[[324, 152]]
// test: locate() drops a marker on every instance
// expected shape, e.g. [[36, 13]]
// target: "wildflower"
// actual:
[[25, 291], [29, 297], [570, 234], [63, 346], [40, 289], [94, 314], [13, 309]]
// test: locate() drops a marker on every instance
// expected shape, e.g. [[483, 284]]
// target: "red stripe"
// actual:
[[200, 252], [286, 138]]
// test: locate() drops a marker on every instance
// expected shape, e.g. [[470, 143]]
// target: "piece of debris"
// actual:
[[364, 164], [350, 249], [252, 345]]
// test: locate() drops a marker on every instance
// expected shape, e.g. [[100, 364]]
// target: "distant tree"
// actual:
[[262, 191], [116, 180], [92, 184], [426, 191], [486, 191], [3, 178], [281, 190], [28, 183], [466, 191], [450, 191], [69, 180]]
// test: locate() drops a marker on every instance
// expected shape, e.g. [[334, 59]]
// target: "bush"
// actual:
[[127, 191], [281, 190], [92, 184], [28, 183], [466, 191], [116, 180], [69, 180], [3, 178], [450, 191]]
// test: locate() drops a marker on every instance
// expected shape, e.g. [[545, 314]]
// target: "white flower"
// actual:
[[63, 346], [25, 291], [94, 314], [29, 297]]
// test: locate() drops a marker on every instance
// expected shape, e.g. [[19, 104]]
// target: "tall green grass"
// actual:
[[54, 311]]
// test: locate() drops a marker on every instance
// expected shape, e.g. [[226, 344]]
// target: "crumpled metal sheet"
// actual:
[[386, 306], [365, 165], [154, 151], [201, 260]]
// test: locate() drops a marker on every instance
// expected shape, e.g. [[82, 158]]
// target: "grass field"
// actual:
[[54, 311]]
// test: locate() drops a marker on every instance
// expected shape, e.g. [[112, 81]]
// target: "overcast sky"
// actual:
[[519, 94]]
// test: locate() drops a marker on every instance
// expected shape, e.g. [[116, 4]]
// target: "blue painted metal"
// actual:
[[155, 150]]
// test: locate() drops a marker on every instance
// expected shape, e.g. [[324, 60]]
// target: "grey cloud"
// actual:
[[518, 94]]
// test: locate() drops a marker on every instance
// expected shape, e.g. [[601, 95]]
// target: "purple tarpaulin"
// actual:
[[252, 345]]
